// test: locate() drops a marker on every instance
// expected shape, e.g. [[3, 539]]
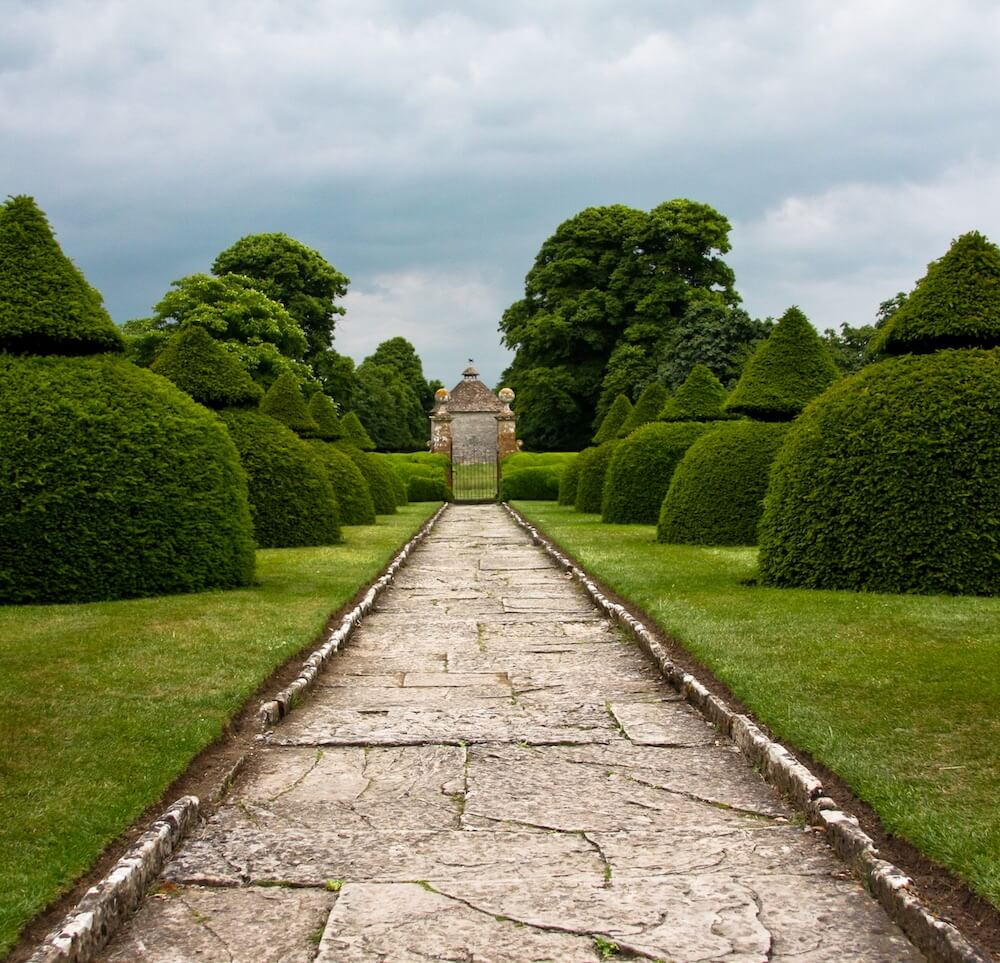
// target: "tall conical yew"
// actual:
[[620, 409], [647, 408], [324, 412], [785, 372], [46, 304], [700, 398], [956, 304], [284, 403], [353, 432]]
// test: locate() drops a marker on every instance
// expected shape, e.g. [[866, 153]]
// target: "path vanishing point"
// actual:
[[489, 772]]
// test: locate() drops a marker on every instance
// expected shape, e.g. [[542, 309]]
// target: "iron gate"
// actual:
[[475, 480]]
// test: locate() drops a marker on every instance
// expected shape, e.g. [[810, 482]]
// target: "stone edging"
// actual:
[[274, 710], [106, 906], [938, 939]]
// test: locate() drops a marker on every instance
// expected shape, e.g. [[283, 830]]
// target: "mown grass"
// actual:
[[897, 694], [103, 705]]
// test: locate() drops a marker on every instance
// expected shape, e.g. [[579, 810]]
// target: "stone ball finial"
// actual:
[[442, 394], [506, 395]]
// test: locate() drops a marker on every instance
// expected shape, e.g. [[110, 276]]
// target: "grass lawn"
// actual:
[[898, 694], [102, 705]]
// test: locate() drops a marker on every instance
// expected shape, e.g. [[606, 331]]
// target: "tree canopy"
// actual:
[[389, 408], [610, 282], [296, 276]]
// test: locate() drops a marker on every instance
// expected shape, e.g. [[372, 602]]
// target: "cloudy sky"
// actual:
[[428, 148]]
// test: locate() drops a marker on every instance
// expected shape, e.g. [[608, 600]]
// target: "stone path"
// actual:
[[489, 773]]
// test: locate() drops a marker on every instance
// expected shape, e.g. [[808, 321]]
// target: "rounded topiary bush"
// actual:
[[890, 481], [349, 486], [640, 470], [398, 484], [117, 485], [568, 481], [378, 476], [593, 469], [530, 484], [291, 499], [716, 495], [423, 488]]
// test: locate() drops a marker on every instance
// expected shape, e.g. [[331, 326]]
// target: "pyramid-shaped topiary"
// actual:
[[198, 364], [284, 403], [353, 432], [955, 305], [890, 480], [647, 408], [700, 398], [620, 409], [323, 411], [46, 304], [784, 373], [125, 486]]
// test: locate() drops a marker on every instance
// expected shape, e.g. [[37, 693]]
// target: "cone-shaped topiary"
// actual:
[[46, 304], [620, 409], [956, 303], [376, 474], [323, 411], [353, 432], [195, 362], [284, 403], [784, 373], [119, 485], [716, 495], [700, 398], [353, 495], [593, 469], [647, 408], [890, 481], [568, 481], [291, 499], [640, 470]]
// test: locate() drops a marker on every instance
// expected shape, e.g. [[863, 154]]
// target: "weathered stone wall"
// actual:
[[474, 436]]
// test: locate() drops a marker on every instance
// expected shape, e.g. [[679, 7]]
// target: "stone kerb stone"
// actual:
[[893, 889]]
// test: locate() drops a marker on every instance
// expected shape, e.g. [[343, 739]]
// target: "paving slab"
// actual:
[[488, 772]]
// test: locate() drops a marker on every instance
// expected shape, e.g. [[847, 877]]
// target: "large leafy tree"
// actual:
[[293, 274], [398, 353], [609, 278], [389, 408]]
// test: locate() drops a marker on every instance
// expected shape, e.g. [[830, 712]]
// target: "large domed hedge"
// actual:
[[568, 480], [593, 469], [377, 475], [640, 470], [118, 485], [291, 499], [349, 485], [717, 491], [890, 481]]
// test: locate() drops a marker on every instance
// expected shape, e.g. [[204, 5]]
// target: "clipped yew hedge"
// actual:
[[716, 495], [284, 403], [640, 470], [423, 488], [530, 484], [291, 499], [395, 479], [590, 484], [377, 474], [890, 481], [349, 486], [116, 485], [568, 481]]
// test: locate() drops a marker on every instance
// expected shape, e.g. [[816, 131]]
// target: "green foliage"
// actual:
[[617, 414], [284, 403], [195, 362], [849, 348], [568, 481], [296, 276], [389, 408], [955, 304], [424, 464], [398, 354], [398, 483], [534, 459], [291, 499], [785, 372], [46, 304], [323, 411], [353, 432], [890, 482], [535, 484], [716, 495], [700, 398], [715, 334], [610, 282], [336, 377], [646, 409], [354, 499], [640, 470], [422, 488], [377, 474], [117, 485], [593, 464]]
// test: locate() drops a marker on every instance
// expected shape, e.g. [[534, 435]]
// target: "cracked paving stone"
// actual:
[[362, 696], [256, 925], [663, 724]]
